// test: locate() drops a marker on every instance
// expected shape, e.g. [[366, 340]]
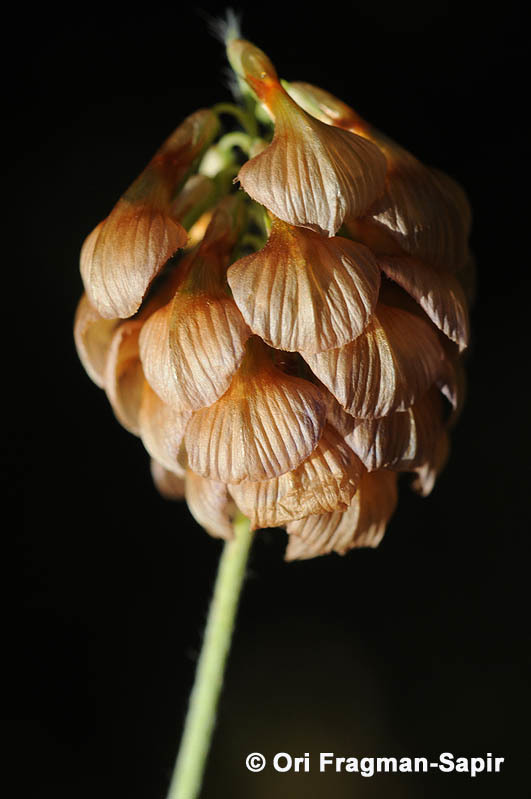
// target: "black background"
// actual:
[[415, 648]]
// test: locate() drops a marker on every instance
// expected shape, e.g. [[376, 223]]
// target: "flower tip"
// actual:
[[253, 65]]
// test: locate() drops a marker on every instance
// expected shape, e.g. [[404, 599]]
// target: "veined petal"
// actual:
[[392, 363], [427, 473], [313, 175], [123, 254], [404, 439], [306, 292], [123, 375], [424, 210], [438, 293], [325, 481], [210, 505], [191, 348], [264, 425], [168, 484], [162, 430], [92, 336], [361, 525]]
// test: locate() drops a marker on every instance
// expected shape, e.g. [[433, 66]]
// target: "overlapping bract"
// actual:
[[296, 375]]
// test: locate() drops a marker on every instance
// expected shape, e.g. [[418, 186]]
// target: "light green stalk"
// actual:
[[201, 717]]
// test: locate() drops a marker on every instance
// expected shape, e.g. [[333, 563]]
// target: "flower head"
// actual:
[[291, 348]]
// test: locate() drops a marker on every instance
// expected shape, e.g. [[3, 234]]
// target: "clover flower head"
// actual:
[[279, 313]]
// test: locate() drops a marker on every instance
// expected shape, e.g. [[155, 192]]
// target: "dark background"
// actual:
[[415, 648]]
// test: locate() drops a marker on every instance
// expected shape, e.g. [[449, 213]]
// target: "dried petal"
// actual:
[[210, 505], [402, 440], [312, 174], [361, 525], [123, 375], [264, 425], [167, 483], [326, 481], [392, 363], [424, 210], [306, 292], [438, 293], [162, 430], [123, 254], [191, 348], [92, 335]]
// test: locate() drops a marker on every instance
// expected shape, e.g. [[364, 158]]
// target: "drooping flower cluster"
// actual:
[[283, 333]]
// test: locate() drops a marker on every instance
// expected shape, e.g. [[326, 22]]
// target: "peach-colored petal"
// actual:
[[304, 291], [427, 473], [123, 254], [312, 174], [162, 430], [329, 109], [210, 505], [191, 348], [266, 424], [392, 363], [438, 293], [424, 210], [325, 481], [361, 525], [92, 336], [123, 375], [402, 440], [168, 484]]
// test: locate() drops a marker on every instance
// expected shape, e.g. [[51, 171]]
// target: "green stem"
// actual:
[[245, 119], [199, 724]]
